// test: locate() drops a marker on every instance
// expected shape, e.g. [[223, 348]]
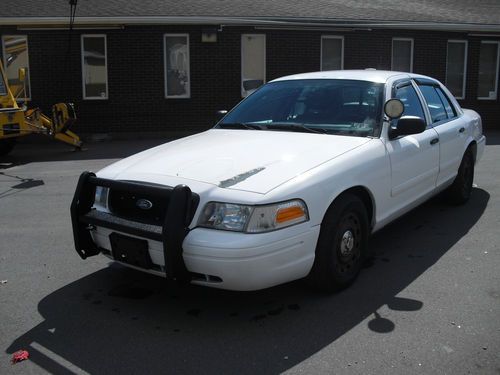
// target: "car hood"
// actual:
[[249, 160]]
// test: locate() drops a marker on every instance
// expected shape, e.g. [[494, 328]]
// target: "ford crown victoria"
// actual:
[[290, 184]]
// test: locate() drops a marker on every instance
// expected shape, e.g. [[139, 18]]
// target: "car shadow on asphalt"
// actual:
[[117, 320]]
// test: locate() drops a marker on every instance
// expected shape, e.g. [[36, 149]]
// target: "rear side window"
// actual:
[[434, 103], [438, 103], [408, 96], [450, 109]]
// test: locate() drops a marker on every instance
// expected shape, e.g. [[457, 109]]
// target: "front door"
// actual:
[[414, 158]]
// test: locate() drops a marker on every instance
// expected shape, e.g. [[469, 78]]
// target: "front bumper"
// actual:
[[215, 258], [251, 261], [235, 261], [171, 234]]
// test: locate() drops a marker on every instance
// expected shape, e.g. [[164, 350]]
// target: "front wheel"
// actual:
[[459, 192], [342, 244]]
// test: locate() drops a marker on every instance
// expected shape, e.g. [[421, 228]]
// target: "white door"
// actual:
[[414, 158], [415, 165], [450, 129]]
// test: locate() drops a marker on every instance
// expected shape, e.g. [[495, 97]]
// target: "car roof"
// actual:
[[370, 75]]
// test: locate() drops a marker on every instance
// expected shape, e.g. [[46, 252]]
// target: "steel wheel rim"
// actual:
[[348, 244]]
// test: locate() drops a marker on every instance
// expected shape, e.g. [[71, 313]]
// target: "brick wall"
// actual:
[[136, 80]]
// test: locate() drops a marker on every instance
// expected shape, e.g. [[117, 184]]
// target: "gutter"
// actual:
[[276, 22]]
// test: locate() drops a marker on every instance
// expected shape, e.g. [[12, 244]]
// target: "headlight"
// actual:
[[225, 216], [101, 197], [252, 219]]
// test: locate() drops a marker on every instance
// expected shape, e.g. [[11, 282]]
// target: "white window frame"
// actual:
[[341, 52], [185, 96], [465, 64], [4, 58], [83, 36], [496, 72], [411, 52], [243, 62]]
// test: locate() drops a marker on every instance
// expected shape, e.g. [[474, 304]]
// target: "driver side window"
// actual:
[[412, 105]]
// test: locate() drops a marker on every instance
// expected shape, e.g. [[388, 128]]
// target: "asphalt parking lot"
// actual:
[[427, 302]]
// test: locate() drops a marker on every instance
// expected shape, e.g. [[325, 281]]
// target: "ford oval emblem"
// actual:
[[144, 204]]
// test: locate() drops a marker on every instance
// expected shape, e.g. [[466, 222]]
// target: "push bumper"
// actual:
[[180, 212]]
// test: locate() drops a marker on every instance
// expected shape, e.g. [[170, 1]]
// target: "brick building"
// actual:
[[165, 66]]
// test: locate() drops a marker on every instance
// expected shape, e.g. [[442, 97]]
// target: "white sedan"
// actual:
[[290, 184]]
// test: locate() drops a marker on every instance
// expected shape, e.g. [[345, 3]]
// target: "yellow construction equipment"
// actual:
[[16, 121]]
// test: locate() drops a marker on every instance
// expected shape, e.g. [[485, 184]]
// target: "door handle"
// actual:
[[461, 130], [434, 141]]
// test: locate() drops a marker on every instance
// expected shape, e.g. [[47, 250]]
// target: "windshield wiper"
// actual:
[[296, 127], [239, 125]]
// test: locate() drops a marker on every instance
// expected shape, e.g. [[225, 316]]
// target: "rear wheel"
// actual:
[[459, 192], [341, 245], [6, 145]]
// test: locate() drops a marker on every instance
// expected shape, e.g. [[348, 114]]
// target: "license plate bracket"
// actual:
[[130, 250]]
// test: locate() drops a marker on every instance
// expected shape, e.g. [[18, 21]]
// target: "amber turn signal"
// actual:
[[289, 213]]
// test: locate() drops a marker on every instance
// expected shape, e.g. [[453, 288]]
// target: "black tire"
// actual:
[[6, 145], [338, 261], [459, 192]]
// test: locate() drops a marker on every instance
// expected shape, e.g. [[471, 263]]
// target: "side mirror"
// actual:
[[220, 114], [22, 75], [394, 108], [407, 125]]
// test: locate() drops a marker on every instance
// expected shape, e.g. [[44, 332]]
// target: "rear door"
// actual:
[[449, 126], [414, 158]]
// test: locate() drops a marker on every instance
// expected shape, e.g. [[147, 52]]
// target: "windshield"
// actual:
[[332, 106]]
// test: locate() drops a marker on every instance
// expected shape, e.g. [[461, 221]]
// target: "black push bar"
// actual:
[[179, 214]]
